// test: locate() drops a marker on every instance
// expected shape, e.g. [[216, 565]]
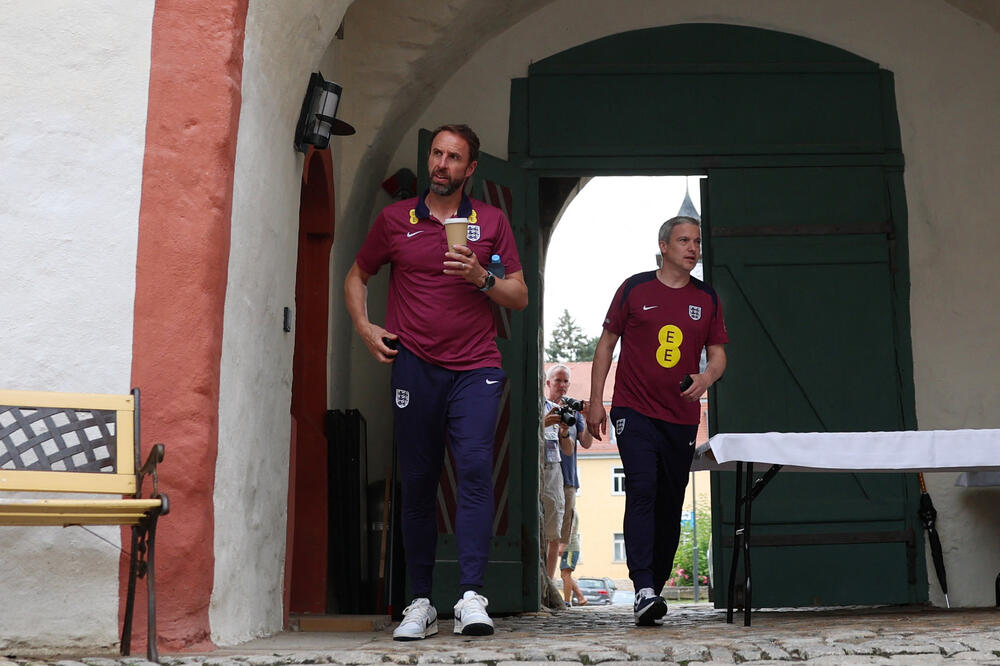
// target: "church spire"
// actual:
[[687, 206]]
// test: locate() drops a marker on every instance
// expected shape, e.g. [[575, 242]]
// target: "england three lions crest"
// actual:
[[695, 312], [474, 232], [402, 398]]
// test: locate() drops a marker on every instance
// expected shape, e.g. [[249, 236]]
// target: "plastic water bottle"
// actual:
[[496, 267]]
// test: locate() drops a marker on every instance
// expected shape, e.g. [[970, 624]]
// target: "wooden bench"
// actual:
[[78, 443]]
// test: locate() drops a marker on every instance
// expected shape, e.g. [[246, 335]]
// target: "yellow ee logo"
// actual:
[[668, 354]]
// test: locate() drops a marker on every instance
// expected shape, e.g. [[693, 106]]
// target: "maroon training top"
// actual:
[[443, 319], [663, 331]]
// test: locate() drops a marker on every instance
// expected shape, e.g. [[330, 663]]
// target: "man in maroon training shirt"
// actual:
[[664, 319], [446, 374]]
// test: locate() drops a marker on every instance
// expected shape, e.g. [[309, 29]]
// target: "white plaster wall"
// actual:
[[284, 43], [74, 81], [948, 93]]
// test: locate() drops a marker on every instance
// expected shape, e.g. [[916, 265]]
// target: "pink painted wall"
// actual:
[[181, 271]]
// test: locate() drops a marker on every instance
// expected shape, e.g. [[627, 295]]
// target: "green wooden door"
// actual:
[[511, 583], [801, 143], [804, 260]]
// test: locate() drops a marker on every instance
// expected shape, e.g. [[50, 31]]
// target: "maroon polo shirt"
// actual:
[[663, 331], [443, 319]]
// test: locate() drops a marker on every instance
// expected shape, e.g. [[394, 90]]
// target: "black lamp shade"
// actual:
[[318, 118]]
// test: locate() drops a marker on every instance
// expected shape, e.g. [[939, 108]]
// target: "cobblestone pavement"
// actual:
[[692, 634]]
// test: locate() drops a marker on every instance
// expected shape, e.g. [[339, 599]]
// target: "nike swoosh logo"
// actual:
[[492, 381], [646, 307], [411, 234]]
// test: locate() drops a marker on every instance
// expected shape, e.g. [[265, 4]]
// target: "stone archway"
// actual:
[[800, 142]]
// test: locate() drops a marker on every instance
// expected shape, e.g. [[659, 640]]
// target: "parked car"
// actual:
[[597, 590], [623, 598]]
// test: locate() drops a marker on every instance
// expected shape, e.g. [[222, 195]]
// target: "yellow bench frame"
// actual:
[[26, 466]]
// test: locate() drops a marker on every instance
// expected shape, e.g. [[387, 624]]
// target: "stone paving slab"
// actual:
[[588, 636]]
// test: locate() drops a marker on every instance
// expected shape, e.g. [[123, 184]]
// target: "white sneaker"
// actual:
[[471, 618], [420, 620]]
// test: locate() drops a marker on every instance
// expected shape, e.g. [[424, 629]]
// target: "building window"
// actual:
[[619, 546], [617, 480]]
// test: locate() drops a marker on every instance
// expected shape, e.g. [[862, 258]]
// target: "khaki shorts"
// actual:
[[553, 501], [569, 506]]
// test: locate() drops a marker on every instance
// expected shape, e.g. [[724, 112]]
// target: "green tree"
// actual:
[[568, 342], [586, 351]]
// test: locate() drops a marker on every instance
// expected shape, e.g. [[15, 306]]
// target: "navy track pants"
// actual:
[[429, 402], [656, 456]]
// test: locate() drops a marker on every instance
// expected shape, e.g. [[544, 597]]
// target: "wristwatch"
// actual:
[[488, 282]]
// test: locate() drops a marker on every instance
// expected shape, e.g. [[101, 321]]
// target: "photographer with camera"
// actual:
[[571, 477], [563, 426]]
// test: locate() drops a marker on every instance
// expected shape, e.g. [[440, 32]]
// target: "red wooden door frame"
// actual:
[[307, 540]]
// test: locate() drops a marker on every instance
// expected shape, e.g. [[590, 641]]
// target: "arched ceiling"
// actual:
[[394, 57], [987, 11]]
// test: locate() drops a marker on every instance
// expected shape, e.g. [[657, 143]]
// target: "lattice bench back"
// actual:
[[68, 442]]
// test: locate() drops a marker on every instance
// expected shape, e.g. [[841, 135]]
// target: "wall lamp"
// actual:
[[318, 119]]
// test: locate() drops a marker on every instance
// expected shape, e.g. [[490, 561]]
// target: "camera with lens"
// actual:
[[567, 411]]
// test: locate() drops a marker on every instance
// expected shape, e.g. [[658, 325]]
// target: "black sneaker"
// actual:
[[648, 608]]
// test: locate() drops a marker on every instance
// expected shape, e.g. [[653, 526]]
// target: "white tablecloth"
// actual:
[[916, 450]]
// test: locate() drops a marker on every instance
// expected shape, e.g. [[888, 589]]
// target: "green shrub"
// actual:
[[682, 572]]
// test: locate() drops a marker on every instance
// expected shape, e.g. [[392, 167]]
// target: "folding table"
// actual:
[[901, 451]]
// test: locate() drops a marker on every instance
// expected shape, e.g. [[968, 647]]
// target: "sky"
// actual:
[[607, 233]]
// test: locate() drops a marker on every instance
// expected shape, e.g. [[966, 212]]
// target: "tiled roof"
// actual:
[[599, 447], [579, 380]]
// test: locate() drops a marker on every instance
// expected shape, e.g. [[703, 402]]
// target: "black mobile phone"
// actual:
[[390, 343], [686, 383]]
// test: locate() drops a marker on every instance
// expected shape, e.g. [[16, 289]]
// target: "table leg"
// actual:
[[748, 503], [737, 546]]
